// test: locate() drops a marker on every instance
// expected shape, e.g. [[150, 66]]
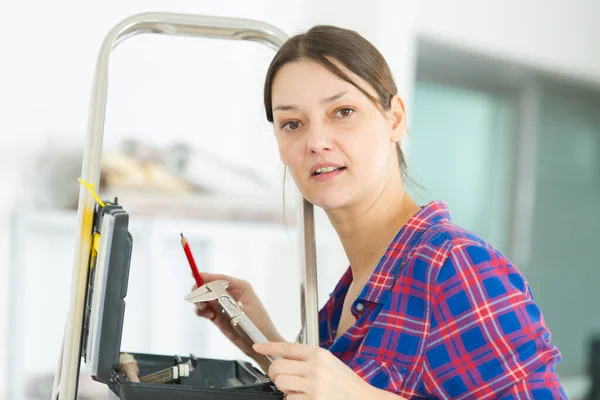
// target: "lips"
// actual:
[[324, 168]]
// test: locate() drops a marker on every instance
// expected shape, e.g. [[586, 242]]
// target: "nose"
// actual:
[[319, 140]]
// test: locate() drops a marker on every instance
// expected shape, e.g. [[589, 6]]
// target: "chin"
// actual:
[[330, 201]]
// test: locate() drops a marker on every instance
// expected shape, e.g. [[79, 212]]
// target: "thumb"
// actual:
[[209, 277]]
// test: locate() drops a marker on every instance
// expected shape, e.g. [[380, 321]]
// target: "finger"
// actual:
[[209, 277], [290, 351], [206, 314], [207, 309], [282, 366], [291, 384], [296, 396], [207, 305]]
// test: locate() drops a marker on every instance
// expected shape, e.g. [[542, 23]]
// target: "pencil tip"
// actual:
[[181, 234]]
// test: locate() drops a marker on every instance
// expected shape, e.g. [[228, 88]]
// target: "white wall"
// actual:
[[555, 35], [160, 88]]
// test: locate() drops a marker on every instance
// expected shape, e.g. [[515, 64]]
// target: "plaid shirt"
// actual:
[[444, 315]]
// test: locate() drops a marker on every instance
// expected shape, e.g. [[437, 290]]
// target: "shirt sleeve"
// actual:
[[543, 383], [487, 336]]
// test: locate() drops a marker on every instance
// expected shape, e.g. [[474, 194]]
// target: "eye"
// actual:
[[290, 125], [344, 112]]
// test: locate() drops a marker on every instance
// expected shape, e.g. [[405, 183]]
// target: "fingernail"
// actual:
[[210, 316], [200, 306]]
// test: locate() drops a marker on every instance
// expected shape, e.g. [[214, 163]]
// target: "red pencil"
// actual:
[[190, 257]]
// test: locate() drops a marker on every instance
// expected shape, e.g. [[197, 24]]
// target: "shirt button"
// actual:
[[360, 306]]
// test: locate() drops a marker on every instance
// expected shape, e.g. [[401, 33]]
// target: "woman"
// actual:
[[426, 309]]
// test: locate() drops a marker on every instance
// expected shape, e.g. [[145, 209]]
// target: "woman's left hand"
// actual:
[[312, 373]]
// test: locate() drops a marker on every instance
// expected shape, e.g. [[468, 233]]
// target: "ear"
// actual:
[[398, 119]]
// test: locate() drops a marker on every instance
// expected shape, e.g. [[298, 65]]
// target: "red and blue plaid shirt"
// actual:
[[446, 316]]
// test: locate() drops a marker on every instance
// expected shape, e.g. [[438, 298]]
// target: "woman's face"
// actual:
[[338, 146]]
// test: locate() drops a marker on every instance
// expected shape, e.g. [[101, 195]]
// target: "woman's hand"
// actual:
[[312, 373], [242, 292]]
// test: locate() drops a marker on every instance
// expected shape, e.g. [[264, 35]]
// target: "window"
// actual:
[[564, 271], [461, 152]]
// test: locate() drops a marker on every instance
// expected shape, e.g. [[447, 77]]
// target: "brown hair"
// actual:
[[324, 43]]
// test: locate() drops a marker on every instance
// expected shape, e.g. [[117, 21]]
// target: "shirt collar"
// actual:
[[386, 271]]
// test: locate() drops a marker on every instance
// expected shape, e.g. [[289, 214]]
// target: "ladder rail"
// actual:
[[178, 25]]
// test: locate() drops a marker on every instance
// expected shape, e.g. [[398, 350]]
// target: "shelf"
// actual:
[[210, 207]]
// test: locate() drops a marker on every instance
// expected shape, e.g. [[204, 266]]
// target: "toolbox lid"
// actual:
[[108, 276]]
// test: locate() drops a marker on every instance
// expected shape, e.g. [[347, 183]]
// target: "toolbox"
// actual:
[[103, 324]]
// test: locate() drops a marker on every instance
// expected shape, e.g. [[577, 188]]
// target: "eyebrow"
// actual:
[[286, 107]]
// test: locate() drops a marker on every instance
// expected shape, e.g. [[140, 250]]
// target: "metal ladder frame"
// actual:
[[67, 374]]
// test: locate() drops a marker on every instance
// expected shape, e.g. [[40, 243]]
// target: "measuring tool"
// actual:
[[217, 290]]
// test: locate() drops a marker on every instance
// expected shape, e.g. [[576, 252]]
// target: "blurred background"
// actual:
[[503, 100]]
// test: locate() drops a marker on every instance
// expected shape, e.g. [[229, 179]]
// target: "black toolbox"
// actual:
[[103, 324]]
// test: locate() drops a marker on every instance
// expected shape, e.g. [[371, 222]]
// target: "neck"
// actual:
[[367, 229]]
